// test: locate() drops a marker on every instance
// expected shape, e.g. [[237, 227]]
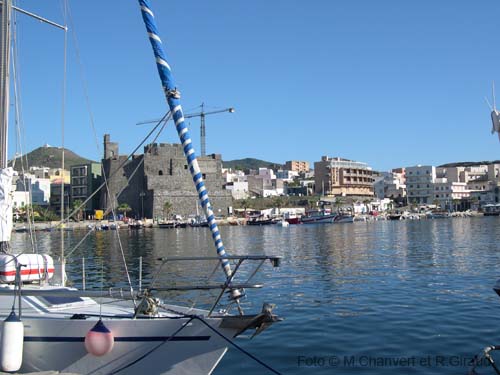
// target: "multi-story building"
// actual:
[[297, 166], [447, 193], [85, 180], [494, 172], [236, 182], [462, 174], [391, 185], [420, 184], [55, 196], [147, 182], [337, 176]]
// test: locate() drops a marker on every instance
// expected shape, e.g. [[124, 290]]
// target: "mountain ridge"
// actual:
[[250, 163], [51, 157]]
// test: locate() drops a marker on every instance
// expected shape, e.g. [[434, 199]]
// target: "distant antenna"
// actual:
[[495, 115]]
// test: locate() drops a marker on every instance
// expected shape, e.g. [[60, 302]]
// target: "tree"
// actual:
[[124, 208], [435, 202], [244, 203], [338, 203], [167, 209], [278, 203], [77, 203], [456, 203]]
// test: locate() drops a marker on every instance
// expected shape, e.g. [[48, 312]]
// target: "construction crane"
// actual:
[[201, 114]]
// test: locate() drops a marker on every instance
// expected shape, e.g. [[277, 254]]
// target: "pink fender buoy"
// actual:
[[99, 340]]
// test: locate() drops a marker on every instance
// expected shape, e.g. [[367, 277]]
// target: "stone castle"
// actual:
[[146, 182]]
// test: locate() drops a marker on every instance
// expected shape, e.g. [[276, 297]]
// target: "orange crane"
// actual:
[[201, 114]]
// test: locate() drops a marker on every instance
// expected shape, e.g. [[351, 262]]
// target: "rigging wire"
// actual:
[[92, 123], [21, 135], [63, 113], [164, 121]]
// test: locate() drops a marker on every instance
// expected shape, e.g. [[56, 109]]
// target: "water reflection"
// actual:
[[381, 289]]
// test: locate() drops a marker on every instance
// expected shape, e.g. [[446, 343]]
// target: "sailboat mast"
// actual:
[[173, 99], [5, 172], [6, 10]]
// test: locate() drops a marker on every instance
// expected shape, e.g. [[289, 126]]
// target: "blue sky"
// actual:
[[391, 83]]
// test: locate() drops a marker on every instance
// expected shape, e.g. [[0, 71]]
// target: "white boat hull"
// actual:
[[54, 338], [141, 347]]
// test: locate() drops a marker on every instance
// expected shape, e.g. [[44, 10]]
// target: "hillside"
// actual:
[[51, 157], [250, 163], [468, 163]]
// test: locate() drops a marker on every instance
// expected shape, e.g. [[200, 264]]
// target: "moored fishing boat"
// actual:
[[318, 216], [260, 220], [291, 218], [343, 218]]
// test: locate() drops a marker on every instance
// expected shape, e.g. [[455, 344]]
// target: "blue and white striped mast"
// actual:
[[173, 99]]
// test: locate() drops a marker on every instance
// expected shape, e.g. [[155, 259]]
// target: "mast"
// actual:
[[6, 10], [173, 98], [5, 173]]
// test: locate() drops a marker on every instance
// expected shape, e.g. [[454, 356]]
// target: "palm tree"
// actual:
[[167, 209], [124, 207], [338, 203], [77, 203], [244, 203]]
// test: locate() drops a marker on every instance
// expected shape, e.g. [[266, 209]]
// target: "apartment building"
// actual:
[[297, 166], [85, 179], [420, 184], [338, 176], [446, 193]]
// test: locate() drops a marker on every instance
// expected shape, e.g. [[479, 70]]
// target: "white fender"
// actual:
[[11, 347]]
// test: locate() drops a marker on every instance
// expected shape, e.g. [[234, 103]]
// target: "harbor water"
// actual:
[[385, 297]]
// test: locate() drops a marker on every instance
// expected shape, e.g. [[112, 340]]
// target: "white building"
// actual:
[[287, 176], [236, 182], [20, 199], [38, 187], [463, 174], [420, 183], [239, 189], [447, 193]]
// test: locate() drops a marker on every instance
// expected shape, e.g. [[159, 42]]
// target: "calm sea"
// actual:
[[388, 297]]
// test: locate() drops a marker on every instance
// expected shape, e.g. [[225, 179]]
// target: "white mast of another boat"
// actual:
[[6, 173]]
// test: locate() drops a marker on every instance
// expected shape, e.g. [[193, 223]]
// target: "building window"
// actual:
[[160, 173]]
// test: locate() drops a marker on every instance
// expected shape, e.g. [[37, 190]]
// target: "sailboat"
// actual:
[[50, 327]]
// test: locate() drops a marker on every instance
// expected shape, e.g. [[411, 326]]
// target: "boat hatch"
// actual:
[[63, 302]]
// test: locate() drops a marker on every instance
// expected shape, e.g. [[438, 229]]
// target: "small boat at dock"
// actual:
[[318, 216]]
